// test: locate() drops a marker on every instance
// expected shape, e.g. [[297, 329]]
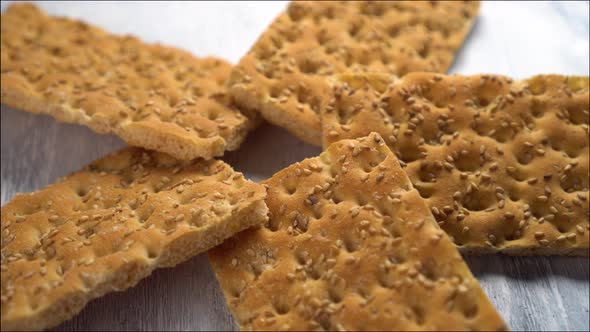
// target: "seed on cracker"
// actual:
[[286, 74], [58, 258], [487, 128], [391, 270], [152, 96]]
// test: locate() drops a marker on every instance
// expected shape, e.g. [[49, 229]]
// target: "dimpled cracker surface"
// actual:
[[284, 74], [151, 96], [108, 226], [349, 245], [503, 164]]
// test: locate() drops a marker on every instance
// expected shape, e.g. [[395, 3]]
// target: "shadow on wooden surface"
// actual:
[[267, 150], [536, 293], [37, 149], [530, 267], [185, 297]]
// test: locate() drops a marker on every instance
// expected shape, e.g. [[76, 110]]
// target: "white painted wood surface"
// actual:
[[516, 39]]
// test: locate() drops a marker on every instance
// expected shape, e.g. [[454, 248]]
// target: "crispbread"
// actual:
[[152, 96], [284, 74], [349, 245], [503, 164], [108, 226]]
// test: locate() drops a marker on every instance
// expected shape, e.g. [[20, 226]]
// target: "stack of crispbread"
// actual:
[[365, 236]]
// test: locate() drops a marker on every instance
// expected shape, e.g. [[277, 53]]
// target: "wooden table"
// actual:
[[532, 293]]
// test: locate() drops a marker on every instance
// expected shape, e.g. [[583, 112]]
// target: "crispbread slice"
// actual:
[[284, 74], [152, 96], [349, 245], [503, 164], [108, 226]]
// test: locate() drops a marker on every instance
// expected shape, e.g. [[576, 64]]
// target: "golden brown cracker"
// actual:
[[503, 164], [106, 227], [156, 97], [349, 245], [284, 75]]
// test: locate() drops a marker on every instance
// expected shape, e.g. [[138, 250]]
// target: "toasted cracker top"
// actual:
[[283, 75], [503, 164], [152, 96], [350, 245], [109, 225]]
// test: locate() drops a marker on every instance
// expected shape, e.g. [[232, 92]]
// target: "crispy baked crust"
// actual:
[[503, 164], [156, 97], [108, 226], [349, 245], [284, 74]]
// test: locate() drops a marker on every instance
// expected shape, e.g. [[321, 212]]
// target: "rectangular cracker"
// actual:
[[152, 96], [349, 245], [284, 74], [503, 164], [111, 224]]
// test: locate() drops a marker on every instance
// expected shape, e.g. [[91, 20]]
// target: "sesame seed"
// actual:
[[380, 176], [50, 252]]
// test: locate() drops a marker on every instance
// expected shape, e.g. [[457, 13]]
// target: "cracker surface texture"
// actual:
[[284, 75], [502, 164], [350, 245], [108, 226], [152, 96]]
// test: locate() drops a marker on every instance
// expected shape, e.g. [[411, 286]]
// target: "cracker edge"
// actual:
[[14, 95]]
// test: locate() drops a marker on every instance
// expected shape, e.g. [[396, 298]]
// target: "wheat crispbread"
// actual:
[[502, 163], [111, 224], [156, 97], [349, 245], [284, 75]]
